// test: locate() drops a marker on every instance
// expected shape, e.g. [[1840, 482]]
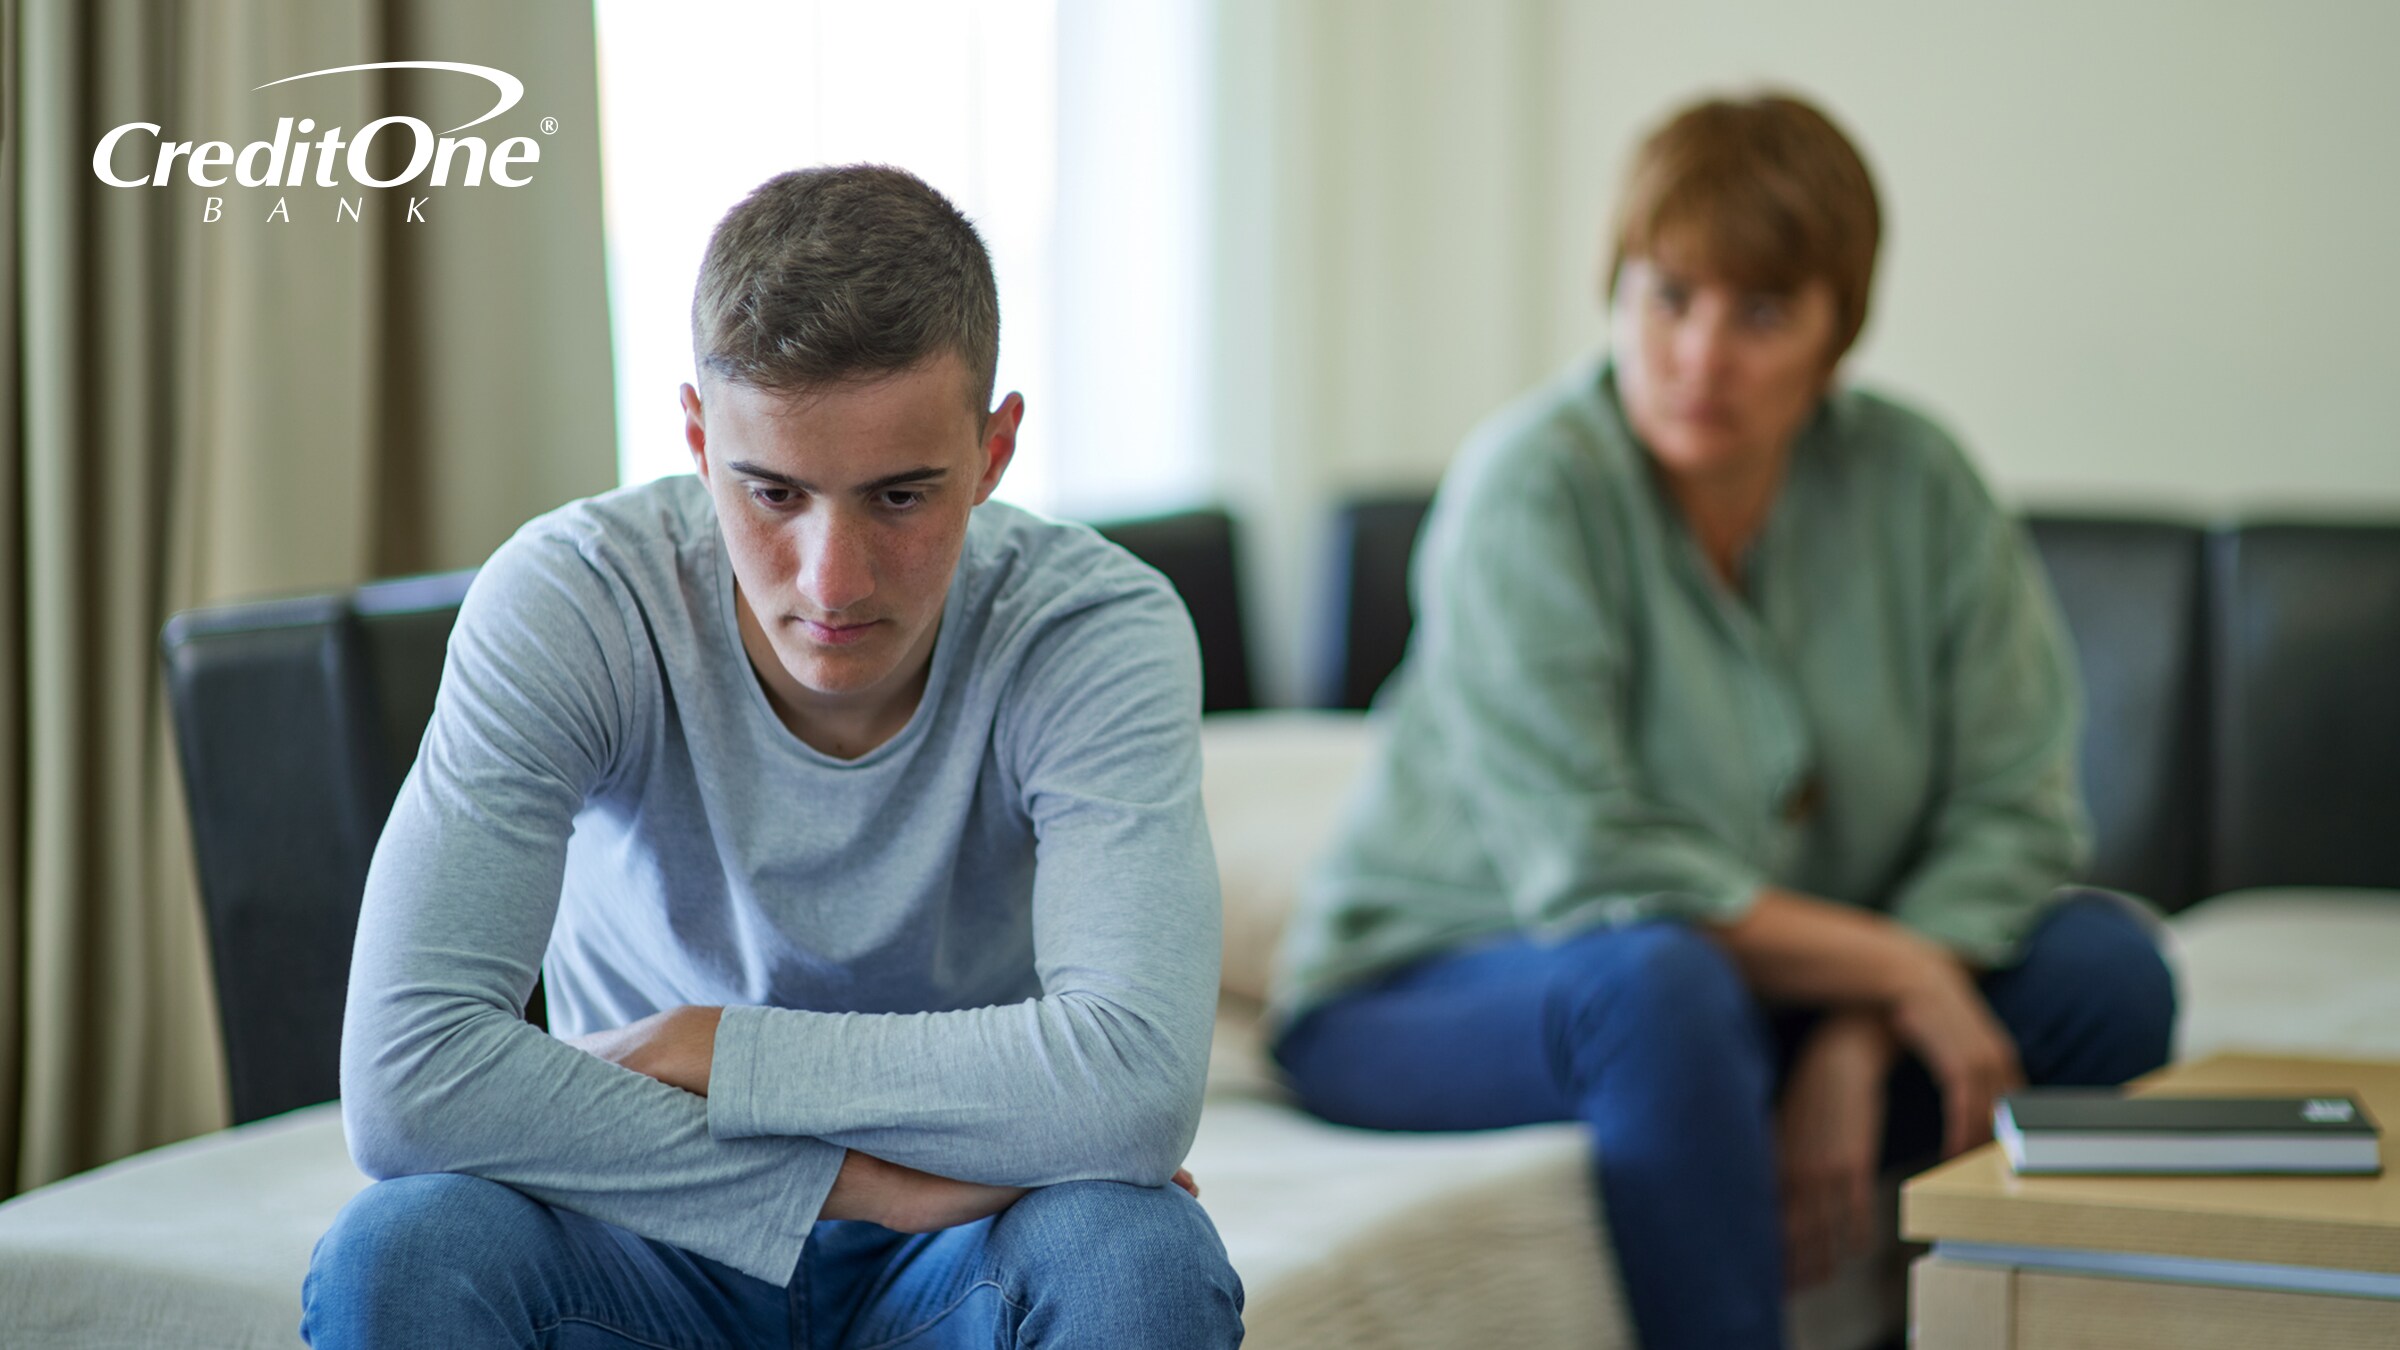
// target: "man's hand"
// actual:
[[1941, 1017], [676, 1047], [906, 1200], [1829, 1128]]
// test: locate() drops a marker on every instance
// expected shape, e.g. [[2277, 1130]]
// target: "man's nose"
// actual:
[[836, 564]]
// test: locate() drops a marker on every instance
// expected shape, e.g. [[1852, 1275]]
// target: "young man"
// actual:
[[856, 823]]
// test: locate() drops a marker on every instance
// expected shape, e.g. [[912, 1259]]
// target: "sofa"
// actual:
[[2238, 755]]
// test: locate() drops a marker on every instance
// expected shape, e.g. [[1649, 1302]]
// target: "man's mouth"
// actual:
[[833, 634]]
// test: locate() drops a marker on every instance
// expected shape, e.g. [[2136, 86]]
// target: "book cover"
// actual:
[[2086, 1130]]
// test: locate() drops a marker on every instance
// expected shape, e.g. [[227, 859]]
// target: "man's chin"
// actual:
[[834, 677]]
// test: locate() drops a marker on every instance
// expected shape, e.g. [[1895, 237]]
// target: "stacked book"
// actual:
[[2087, 1130]]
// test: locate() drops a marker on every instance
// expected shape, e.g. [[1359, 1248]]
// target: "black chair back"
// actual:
[[2134, 596], [2306, 675], [1367, 574], [1195, 550], [295, 721]]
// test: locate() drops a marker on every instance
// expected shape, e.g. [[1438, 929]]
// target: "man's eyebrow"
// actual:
[[926, 473]]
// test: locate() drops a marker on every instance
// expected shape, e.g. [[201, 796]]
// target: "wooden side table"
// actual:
[[2190, 1262]]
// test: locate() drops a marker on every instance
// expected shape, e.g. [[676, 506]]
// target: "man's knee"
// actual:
[[1100, 1253], [404, 1253]]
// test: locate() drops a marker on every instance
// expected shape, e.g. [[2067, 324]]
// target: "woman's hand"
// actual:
[[1800, 949], [1829, 1131], [1940, 1016]]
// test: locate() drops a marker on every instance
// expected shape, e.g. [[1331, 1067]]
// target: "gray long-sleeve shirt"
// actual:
[[987, 948]]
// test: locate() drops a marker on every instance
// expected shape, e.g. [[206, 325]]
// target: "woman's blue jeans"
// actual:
[[456, 1261], [1647, 1035]]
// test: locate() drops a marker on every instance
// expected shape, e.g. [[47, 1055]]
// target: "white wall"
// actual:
[[2139, 253]]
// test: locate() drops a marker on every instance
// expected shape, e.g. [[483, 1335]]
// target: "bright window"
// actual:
[[700, 103]]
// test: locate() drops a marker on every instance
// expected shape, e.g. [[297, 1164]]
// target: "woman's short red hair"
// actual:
[[1763, 192]]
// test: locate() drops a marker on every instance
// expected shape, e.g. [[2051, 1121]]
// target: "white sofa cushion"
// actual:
[[1359, 1238], [1275, 784], [2296, 971], [1343, 1238], [200, 1244]]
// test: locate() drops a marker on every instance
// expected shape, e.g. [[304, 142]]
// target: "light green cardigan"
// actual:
[[1592, 728]]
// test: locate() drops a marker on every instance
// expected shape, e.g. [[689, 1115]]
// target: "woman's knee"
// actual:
[[2105, 946], [1662, 983], [1655, 1019], [2094, 981]]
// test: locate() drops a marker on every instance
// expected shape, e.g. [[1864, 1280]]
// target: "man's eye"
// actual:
[[766, 495], [903, 499]]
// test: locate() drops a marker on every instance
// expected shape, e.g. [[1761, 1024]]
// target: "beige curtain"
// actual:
[[194, 410]]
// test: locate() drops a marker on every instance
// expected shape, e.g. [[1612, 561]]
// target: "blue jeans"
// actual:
[[1648, 1035], [457, 1261]]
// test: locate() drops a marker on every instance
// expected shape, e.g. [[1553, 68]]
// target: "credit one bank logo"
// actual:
[[141, 154]]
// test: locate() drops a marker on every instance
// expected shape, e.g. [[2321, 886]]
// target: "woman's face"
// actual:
[[1717, 380]]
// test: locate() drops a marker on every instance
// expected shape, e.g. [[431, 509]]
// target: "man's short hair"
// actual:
[[1765, 192], [840, 273]]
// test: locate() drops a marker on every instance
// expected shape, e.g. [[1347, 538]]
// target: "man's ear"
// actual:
[[695, 431], [999, 443]]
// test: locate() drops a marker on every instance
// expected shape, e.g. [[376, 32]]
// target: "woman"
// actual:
[[1729, 784]]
